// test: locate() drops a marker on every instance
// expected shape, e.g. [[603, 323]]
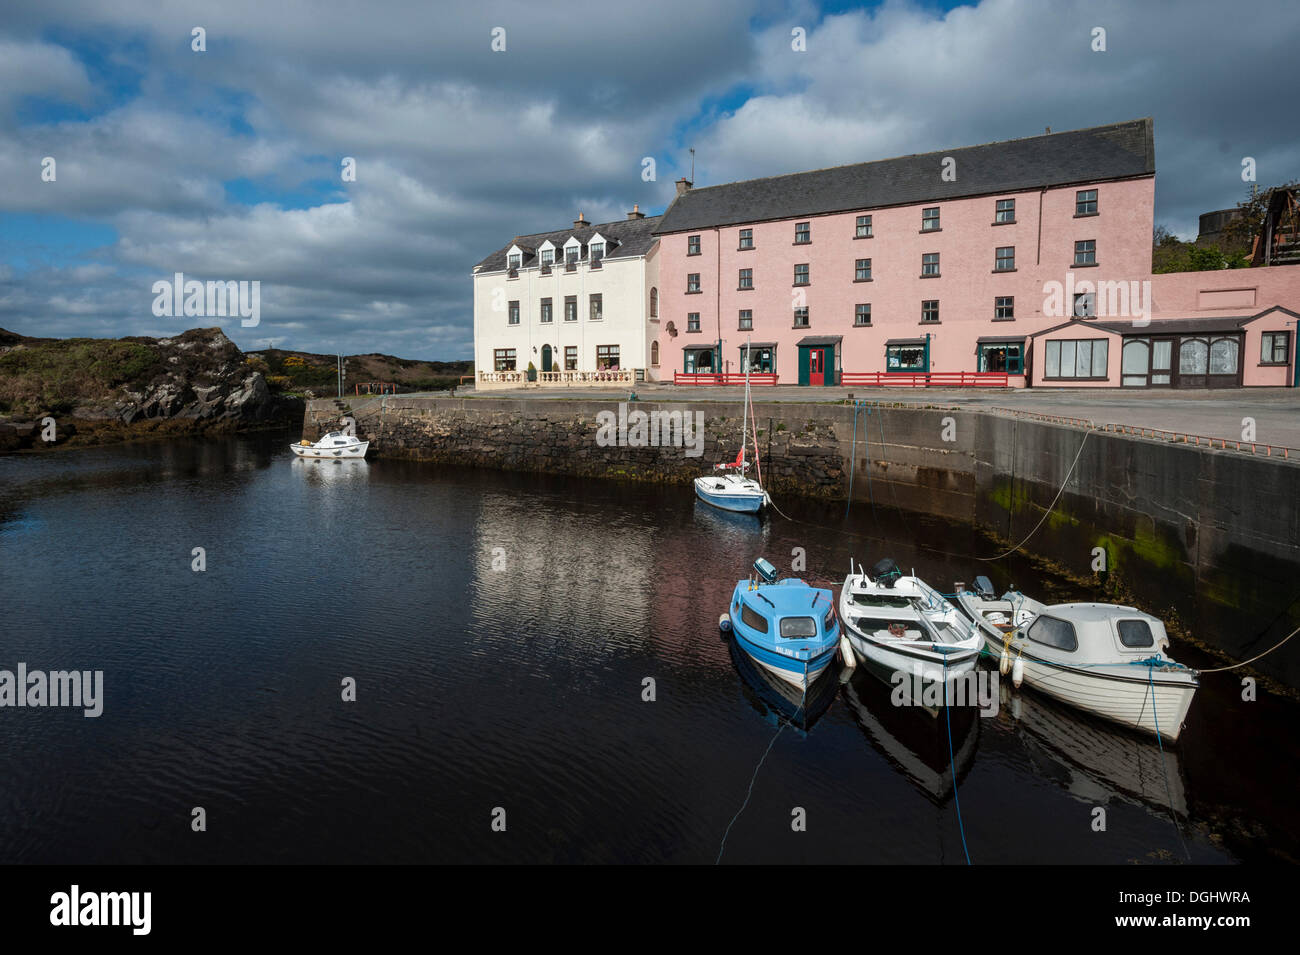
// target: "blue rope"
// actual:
[[953, 762], [1155, 717], [853, 457]]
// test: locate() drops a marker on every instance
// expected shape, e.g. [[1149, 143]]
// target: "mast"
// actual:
[[744, 416]]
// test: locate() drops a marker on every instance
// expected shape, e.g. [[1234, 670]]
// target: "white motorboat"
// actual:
[[1107, 659], [336, 444], [904, 625]]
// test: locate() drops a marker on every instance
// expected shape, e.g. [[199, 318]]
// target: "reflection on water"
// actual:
[[323, 472], [1091, 759], [913, 737], [779, 701], [543, 644]]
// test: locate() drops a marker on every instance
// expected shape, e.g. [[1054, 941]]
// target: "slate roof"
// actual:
[[633, 237], [1177, 326], [1118, 151]]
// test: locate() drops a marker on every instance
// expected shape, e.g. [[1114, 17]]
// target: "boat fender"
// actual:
[[1018, 672], [724, 623], [1004, 664], [846, 652]]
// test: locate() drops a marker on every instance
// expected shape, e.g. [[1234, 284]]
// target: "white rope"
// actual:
[[1050, 508]]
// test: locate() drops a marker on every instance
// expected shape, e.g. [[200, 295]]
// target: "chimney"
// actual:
[[636, 212], [580, 222], [683, 184]]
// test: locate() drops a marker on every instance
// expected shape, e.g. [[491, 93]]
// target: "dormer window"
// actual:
[[548, 256], [596, 250], [516, 260], [571, 254]]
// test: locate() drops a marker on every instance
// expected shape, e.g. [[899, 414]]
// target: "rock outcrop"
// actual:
[[109, 389]]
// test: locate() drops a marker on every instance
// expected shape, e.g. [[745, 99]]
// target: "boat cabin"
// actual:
[[1098, 632], [789, 609]]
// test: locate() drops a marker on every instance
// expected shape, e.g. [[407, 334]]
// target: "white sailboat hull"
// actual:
[[351, 451]]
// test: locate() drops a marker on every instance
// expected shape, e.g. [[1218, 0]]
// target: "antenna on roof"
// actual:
[[692, 164]]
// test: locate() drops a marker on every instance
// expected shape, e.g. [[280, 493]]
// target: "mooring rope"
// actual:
[[921, 544], [1254, 658], [1169, 793], [802, 698], [1069, 474], [952, 761]]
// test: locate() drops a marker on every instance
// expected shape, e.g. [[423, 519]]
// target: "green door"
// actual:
[[546, 358], [817, 365]]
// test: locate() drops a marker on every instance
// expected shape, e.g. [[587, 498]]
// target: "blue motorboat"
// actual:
[[785, 626]]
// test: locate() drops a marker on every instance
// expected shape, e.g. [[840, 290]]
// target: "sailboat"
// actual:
[[728, 487]]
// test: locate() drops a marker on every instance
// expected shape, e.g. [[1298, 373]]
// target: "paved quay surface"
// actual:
[[1213, 414]]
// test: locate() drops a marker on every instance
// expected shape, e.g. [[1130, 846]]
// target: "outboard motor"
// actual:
[[766, 570], [984, 587], [885, 572]]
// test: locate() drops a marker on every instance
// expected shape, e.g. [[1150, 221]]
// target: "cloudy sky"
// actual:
[[226, 164]]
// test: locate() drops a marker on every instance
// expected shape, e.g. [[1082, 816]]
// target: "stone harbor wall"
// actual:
[[589, 438]]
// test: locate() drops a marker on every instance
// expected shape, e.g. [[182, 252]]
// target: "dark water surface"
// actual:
[[522, 688]]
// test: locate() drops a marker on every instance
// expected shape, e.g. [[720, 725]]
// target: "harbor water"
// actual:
[[541, 653]]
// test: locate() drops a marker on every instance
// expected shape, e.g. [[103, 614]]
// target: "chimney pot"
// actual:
[[580, 222], [636, 212], [683, 184]]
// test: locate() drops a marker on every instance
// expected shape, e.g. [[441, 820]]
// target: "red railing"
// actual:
[[723, 378], [920, 379]]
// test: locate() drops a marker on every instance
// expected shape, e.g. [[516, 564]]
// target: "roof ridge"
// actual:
[[931, 152], [593, 226]]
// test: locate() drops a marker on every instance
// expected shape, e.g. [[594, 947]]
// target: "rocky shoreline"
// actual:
[[81, 392]]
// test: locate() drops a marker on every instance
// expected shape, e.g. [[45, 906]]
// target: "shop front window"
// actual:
[[905, 358], [760, 360], [1006, 357]]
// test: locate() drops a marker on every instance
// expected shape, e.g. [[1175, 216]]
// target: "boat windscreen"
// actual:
[[798, 627]]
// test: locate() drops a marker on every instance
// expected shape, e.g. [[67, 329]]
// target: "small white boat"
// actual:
[[1107, 659], [904, 625], [728, 487], [731, 490], [336, 444]]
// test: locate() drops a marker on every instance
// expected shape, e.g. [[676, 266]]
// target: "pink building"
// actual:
[[969, 259]]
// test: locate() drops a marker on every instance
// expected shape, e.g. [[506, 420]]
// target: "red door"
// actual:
[[816, 366]]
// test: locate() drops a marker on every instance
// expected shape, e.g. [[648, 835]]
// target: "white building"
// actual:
[[580, 305]]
